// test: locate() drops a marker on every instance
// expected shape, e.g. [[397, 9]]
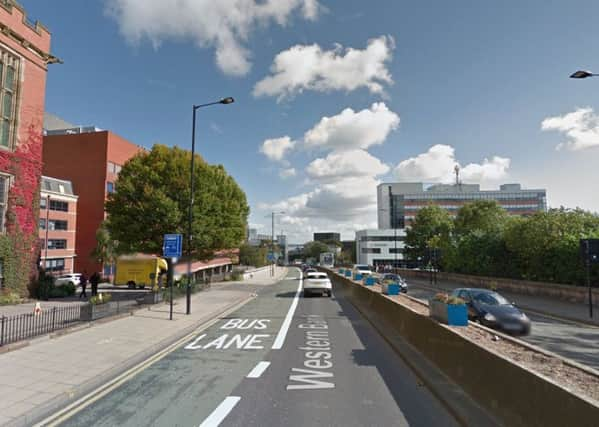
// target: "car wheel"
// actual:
[[131, 284], [329, 294], [71, 283], [306, 294]]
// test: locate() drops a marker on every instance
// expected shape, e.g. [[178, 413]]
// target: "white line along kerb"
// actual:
[[258, 370], [219, 414], [280, 339]]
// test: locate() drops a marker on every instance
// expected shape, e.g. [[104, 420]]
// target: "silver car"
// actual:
[[74, 278]]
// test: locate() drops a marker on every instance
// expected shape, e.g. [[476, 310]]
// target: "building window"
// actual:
[[42, 224], [4, 182], [57, 224], [381, 238], [113, 168], [55, 264], [371, 250], [58, 205], [43, 201], [110, 187], [395, 251], [9, 75], [55, 244]]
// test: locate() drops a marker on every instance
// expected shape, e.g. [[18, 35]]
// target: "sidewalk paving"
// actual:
[[578, 312], [45, 376]]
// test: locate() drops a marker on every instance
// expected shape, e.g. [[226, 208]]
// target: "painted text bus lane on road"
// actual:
[[235, 333], [317, 369]]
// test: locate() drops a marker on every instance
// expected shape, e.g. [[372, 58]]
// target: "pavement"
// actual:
[[574, 340], [48, 374], [280, 359]]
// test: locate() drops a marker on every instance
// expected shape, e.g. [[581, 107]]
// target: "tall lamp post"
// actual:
[[224, 101], [272, 242]]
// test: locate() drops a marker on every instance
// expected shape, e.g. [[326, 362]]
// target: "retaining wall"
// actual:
[[525, 287], [513, 394]]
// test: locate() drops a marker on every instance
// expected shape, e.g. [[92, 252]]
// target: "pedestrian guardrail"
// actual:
[[23, 326]]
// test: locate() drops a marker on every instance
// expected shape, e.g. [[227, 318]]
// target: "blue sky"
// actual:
[[453, 82]]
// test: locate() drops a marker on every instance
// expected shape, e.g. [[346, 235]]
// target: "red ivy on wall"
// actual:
[[24, 164]]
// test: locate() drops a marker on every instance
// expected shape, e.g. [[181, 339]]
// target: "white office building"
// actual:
[[380, 247]]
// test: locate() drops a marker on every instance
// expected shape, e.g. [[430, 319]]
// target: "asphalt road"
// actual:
[[331, 368], [575, 341]]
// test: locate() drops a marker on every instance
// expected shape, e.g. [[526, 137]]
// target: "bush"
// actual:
[[8, 298], [455, 301], [62, 291], [101, 298], [236, 276], [44, 286], [441, 297]]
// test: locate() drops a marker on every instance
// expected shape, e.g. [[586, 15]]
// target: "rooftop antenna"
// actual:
[[456, 169]]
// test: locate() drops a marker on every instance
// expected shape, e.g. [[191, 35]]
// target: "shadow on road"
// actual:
[[398, 378]]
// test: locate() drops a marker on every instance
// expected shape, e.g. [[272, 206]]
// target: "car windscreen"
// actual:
[[490, 298], [362, 267], [317, 276]]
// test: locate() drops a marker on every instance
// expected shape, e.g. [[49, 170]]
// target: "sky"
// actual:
[[333, 97]]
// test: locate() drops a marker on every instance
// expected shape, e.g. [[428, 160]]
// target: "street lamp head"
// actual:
[[227, 100], [581, 74]]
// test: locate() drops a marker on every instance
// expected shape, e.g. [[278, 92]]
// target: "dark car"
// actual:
[[492, 310], [395, 278]]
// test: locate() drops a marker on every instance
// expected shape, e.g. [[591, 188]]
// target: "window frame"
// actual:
[[11, 60]]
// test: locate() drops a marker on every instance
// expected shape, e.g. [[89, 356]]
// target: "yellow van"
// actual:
[[140, 271]]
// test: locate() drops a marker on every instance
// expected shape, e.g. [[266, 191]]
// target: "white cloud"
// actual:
[[350, 130], [287, 173], [438, 163], [581, 128], [222, 24], [276, 148], [308, 67], [346, 164]]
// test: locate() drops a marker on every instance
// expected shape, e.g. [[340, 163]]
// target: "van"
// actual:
[[139, 271]]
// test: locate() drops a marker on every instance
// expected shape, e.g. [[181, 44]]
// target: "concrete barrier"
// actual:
[[512, 393]]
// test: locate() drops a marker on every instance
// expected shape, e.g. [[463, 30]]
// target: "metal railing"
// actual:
[[23, 326]]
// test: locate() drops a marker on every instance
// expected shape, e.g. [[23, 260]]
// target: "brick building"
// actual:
[[57, 225], [24, 59], [91, 159]]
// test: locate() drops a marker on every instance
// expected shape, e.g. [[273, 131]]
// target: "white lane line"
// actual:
[[218, 415], [258, 370], [280, 339]]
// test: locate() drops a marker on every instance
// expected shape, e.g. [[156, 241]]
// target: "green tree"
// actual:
[[152, 199], [252, 255], [105, 251], [314, 249], [432, 227], [482, 216]]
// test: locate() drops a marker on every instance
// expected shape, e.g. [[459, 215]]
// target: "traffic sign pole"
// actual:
[[171, 249]]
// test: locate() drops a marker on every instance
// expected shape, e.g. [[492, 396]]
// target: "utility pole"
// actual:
[[272, 246], [47, 228]]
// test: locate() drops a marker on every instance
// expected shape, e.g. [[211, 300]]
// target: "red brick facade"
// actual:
[[90, 161], [24, 55]]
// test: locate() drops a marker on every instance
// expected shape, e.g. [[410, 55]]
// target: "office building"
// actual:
[[24, 59], [91, 160], [381, 247], [57, 225], [327, 237], [398, 203]]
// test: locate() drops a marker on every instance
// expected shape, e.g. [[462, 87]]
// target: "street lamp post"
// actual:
[[224, 101], [272, 241]]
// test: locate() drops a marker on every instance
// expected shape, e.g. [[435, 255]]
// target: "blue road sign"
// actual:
[[271, 256], [172, 246]]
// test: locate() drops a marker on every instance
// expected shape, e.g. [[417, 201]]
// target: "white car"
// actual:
[[362, 269], [74, 278], [317, 282]]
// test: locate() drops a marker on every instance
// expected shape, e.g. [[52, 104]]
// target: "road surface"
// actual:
[[280, 360]]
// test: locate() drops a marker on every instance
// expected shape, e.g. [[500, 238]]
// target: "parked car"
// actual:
[[310, 270], [362, 269], [493, 310], [65, 279], [393, 278], [317, 282]]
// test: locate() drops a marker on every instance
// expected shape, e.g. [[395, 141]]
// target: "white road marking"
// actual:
[[258, 370], [218, 415], [280, 339]]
